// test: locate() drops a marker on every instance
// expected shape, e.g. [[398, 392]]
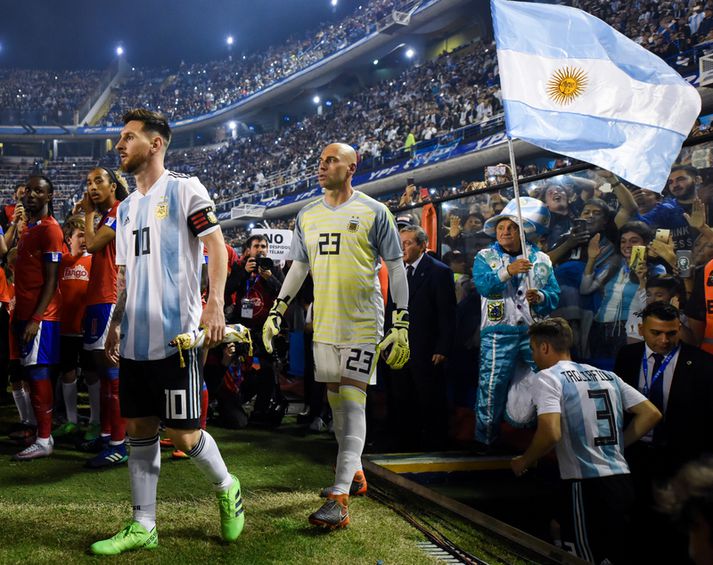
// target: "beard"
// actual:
[[133, 163]]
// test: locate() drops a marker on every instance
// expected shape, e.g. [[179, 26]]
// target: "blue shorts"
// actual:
[[44, 349], [96, 325]]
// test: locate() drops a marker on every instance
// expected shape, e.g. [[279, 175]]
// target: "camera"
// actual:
[[265, 263]]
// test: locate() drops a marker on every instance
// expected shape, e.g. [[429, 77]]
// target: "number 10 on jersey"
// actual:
[[142, 241]]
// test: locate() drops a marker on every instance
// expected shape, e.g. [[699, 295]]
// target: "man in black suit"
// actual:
[[677, 378], [417, 393]]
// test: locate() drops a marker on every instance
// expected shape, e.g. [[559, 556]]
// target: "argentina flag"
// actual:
[[574, 85]]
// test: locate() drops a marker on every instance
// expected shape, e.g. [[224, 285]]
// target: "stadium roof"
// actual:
[[80, 34]]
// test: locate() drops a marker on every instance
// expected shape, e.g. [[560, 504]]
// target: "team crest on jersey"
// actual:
[[496, 310], [353, 224], [161, 211]]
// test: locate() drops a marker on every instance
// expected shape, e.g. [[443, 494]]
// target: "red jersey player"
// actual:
[[73, 281], [37, 305], [105, 190]]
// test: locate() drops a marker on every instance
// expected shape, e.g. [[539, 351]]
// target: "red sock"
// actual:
[[42, 398], [118, 424], [204, 408], [105, 406]]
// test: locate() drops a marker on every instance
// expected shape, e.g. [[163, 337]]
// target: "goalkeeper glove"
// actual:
[[273, 322], [397, 338]]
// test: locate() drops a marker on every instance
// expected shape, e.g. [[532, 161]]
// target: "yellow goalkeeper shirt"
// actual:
[[342, 246]]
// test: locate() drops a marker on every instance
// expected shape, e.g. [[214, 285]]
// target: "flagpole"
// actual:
[[516, 188]]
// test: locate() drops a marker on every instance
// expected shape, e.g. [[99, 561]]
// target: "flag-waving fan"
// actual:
[[574, 85]]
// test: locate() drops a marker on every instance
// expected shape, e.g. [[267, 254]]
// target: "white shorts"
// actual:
[[333, 362]]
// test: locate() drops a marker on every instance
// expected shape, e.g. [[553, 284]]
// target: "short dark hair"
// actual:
[[256, 237], [153, 121], [690, 170], [640, 228], [554, 331], [668, 282], [661, 310]]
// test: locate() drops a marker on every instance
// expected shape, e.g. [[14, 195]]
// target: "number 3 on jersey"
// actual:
[[142, 241], [329, 243], [607, 415]]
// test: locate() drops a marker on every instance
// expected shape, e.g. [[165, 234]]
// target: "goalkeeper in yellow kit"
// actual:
[[340, 238]]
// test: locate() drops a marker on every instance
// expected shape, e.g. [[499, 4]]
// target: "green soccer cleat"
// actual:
[[66, 430], [92, 433], [133, 536], [232, 515]]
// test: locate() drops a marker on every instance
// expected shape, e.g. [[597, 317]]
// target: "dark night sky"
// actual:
[[61, 34]]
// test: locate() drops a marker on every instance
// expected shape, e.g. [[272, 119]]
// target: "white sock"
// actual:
[[206, 456], [19, 397], [94, 402], [69, 390], [29, 409], [144, 469], [43, 441], [353, 437], [335, 403]]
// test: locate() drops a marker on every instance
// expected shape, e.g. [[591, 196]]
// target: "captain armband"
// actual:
[[200, 221]]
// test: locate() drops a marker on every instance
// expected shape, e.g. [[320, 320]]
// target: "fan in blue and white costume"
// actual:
[[514, 293]]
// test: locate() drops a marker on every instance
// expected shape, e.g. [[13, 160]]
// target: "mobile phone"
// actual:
[[410, 181], [638, 253], [683, 262], [663, 235], [424, 193], [579, 225]]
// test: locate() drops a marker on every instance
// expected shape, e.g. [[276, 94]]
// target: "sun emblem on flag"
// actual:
[[566, 85]]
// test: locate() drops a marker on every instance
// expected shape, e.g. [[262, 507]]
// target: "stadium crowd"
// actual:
[[201, 88], [386, 120], [44, 97], [667, 28]]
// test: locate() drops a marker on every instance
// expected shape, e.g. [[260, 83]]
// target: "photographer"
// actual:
[[251, 289]]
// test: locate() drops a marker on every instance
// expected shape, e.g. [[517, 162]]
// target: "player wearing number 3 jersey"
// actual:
[[580, 413], [341, 238]]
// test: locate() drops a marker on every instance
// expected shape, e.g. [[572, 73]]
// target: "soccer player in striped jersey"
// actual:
[[105, 191], [341, 238], [161, 229], [580, 414], [37, 302]]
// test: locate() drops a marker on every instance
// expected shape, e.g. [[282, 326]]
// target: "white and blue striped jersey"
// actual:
[[591, 403], [162, 260]]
